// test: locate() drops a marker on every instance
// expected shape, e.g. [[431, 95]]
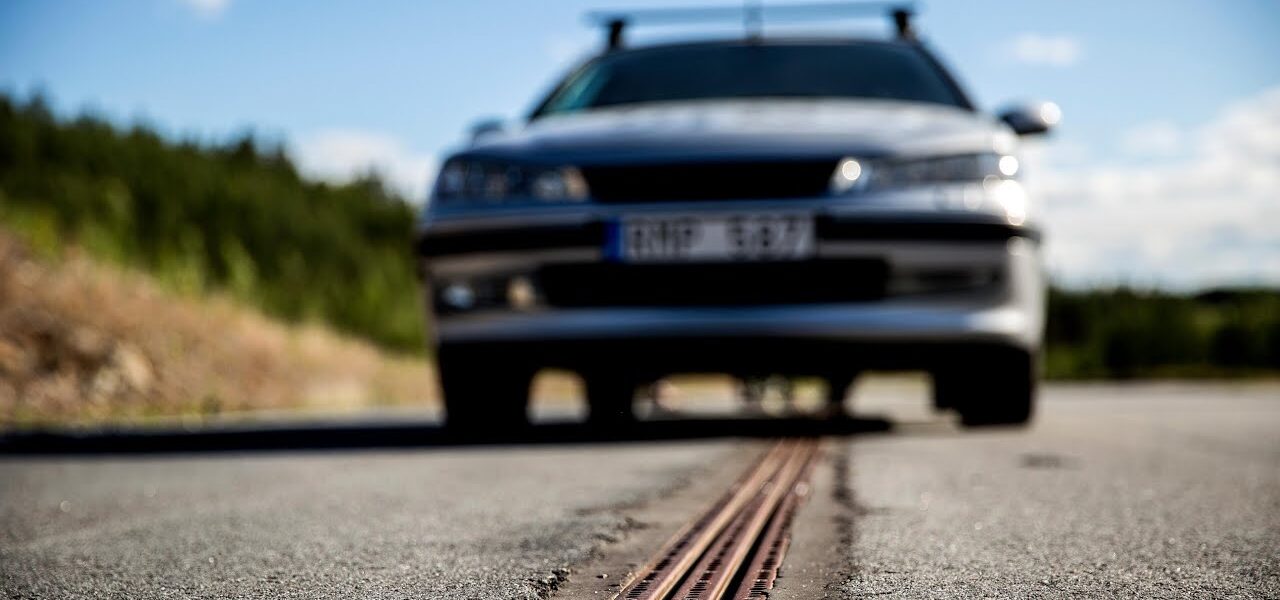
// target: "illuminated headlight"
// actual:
[[847, 176], [481, 181], [857, 174]]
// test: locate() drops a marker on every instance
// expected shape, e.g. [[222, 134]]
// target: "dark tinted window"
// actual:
[[859, 70]]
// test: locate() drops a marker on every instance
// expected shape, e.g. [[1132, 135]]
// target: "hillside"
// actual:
[[85, 342], [235, 218]]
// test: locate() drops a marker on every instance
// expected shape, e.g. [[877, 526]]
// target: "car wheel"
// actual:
[[483, 391], [998, 390], [609, 398]]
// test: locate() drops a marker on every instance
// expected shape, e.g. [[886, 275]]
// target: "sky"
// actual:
[[1164, 173]]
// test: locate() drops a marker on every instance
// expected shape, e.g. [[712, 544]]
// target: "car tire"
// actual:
[[998, 390], [609, 398], [483, 391]]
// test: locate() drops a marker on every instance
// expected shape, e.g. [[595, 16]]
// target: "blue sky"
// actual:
[[1152, 89]]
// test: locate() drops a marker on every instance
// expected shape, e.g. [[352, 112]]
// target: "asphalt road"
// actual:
[[1139, 490]]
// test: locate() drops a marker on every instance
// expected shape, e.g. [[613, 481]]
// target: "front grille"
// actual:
[[731, 284], [709, 181]]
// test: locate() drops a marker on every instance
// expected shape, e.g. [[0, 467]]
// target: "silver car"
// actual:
[[799, 207]]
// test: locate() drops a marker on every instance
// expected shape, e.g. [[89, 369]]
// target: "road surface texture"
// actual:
[[1148, 490]]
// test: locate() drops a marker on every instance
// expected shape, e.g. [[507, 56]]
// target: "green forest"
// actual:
[[237, 218], [1124, 333]]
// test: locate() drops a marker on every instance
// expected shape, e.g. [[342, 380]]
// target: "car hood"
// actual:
[[776, 128]]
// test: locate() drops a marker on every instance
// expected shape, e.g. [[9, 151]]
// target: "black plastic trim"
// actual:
[[831, 229], [531, 237]]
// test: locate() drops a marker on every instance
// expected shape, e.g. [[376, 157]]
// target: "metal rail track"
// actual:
[[734, 549]]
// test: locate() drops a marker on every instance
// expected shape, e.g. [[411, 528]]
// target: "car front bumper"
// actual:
[[905, 321], [949, 286]]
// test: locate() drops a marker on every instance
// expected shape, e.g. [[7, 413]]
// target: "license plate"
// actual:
[[765, 236]]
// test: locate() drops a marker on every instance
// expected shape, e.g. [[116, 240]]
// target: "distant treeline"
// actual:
[[238, 218], [1128, 333], [234, 217]]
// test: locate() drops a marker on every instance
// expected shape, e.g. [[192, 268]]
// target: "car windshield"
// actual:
[[846, 70]]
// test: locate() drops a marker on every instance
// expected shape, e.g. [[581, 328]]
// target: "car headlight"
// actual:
[[480, 181], [853, 174]]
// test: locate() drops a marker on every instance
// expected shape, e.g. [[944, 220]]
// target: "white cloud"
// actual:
[[1041, 49], [1208, 214], [340, 155], [1154, 139], [207, 9]]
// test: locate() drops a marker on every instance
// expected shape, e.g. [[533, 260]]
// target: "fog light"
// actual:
[[459, 296], [520, 292]]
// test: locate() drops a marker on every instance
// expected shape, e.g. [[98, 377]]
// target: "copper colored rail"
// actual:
[[758, 577], [707, 555]]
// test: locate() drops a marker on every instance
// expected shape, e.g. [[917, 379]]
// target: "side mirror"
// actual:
[[1032, 118], [485, 128]]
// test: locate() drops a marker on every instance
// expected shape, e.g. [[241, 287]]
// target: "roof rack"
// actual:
[[752, 16]]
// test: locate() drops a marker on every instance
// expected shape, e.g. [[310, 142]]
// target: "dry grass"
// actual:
[[85, 342]]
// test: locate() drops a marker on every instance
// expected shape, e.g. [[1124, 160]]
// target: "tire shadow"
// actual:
[[356, 435]]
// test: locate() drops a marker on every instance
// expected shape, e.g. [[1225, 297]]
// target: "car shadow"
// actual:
[[354, 435]]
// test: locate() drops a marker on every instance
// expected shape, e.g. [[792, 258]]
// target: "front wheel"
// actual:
[[482, 391], [999, 388]]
